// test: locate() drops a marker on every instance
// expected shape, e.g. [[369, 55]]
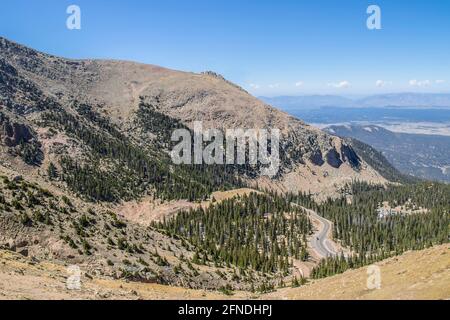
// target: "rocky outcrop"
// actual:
[[317, 158], [334, 158], [348, 154], [20, 140], [13, 134]]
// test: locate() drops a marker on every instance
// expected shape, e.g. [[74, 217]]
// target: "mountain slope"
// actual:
[[46, 93], [379, 162], [78, 139], [414, 275], [419, 155], [81, 142]]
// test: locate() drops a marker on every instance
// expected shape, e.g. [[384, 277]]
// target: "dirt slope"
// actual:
[[415, 275]]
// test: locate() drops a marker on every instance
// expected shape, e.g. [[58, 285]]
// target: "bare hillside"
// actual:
[[311, 160], [414, 275]]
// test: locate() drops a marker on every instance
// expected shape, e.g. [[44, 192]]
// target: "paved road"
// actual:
[[320, 237]]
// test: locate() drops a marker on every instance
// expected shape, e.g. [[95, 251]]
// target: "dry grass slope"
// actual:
[[414, 275]]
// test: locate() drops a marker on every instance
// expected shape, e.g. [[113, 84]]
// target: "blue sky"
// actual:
[[271, 48]]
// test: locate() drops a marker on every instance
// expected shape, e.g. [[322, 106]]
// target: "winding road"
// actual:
[[321, 238]]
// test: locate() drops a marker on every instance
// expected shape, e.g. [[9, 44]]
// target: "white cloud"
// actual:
[[382, 83], [299, 83], [440, 81], [342, 84], [254, 86], [273, 86], [419, 83]]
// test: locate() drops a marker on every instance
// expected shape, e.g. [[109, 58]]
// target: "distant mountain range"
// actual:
[[419, 155], [410, 100]]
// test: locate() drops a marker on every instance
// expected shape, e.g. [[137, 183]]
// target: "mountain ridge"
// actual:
[[116, 89]]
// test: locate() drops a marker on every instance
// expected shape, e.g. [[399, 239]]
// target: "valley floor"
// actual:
[[415, 275]]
